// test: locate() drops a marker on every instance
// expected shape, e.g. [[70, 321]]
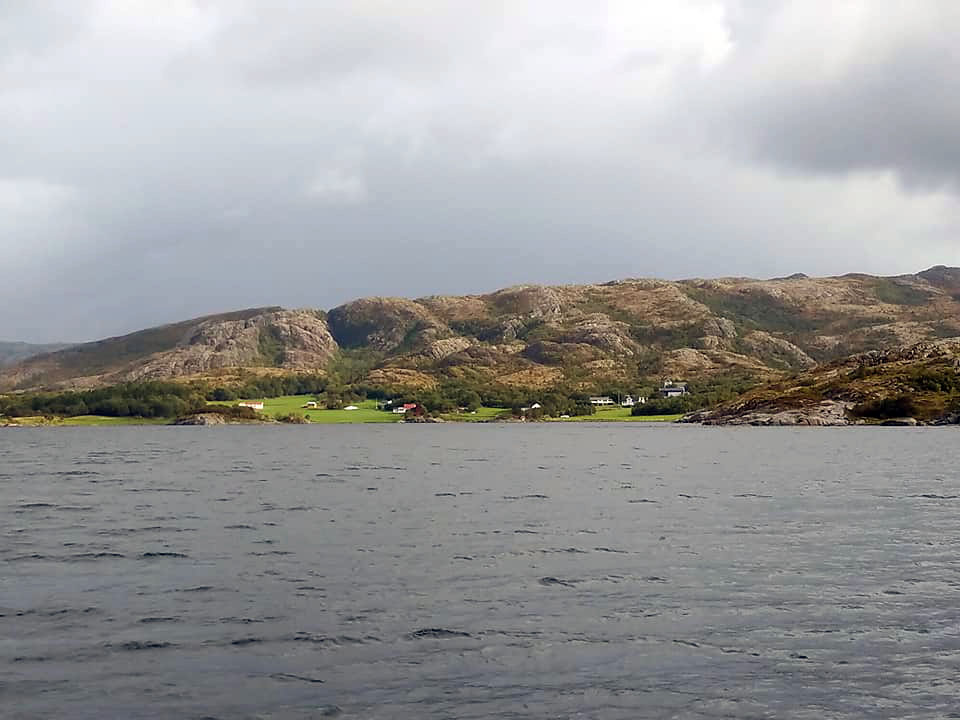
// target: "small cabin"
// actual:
[[254, 404]]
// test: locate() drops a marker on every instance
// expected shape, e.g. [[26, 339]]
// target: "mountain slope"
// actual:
[[14, 352], [625, 332], [260, 337]]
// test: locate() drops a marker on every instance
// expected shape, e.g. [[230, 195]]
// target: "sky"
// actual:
[[160, 161]]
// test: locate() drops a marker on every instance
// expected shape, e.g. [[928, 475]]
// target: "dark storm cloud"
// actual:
[[159, 161]]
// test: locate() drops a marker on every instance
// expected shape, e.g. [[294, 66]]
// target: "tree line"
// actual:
[[167, 399]]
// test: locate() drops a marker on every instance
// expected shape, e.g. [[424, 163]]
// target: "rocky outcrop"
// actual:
[[826, 413], [385, 325], [904, 386], [528, 301], [774, 350], [289, 339], [201, 419], [900, 422], [439, 349], [601, 332]]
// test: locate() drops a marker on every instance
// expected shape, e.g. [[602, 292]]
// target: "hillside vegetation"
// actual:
[[919, 383], [625, 334]]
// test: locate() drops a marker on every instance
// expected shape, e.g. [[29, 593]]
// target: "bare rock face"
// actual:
[[385, 324], [440, 349], [202, 419], [529, 301], [949, 347], [768, 347], [289, 339], [601, 332], [826, 413], [719, 327]]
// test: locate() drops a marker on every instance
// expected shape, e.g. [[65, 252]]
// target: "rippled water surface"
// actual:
[[613, 571]]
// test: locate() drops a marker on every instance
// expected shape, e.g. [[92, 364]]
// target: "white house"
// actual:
[[351, 407], [255, 404], [627, 402], [671, 389], [310, 404], [603, 400], [536, 406]]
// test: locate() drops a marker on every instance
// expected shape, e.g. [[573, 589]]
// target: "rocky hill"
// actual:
[[263, 337], [905, 385], [625, 331]]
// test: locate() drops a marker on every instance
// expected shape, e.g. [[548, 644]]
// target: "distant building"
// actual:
[[671, 389], [255, 404], [601, 400], [351, 407], [536, 406], [310, 404], [401, 409]]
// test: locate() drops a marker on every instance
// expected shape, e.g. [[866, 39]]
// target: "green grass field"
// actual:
[[618, 414], [482, 415], [367, 413], [286, 404]]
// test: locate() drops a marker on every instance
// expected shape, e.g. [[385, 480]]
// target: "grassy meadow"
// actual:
[[366, 413], [617, 414], [482, 414]]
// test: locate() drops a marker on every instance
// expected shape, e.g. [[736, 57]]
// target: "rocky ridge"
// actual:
[[627, 331]]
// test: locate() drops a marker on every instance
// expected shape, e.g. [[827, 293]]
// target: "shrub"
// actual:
[[233, 411], [892, 407], [293, 418]]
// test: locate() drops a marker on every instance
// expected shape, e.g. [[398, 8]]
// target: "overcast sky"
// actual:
[[162, 160]]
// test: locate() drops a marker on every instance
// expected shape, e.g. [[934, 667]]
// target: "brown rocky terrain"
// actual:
[[903, 385], [627, 331], [292, 340]]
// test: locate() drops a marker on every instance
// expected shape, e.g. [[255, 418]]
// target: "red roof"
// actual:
[[409, 406]]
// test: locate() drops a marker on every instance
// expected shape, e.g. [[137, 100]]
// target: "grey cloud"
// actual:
[[890, 103], [210, 155]]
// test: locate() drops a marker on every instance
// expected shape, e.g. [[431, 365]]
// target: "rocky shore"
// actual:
[[828, 413]]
